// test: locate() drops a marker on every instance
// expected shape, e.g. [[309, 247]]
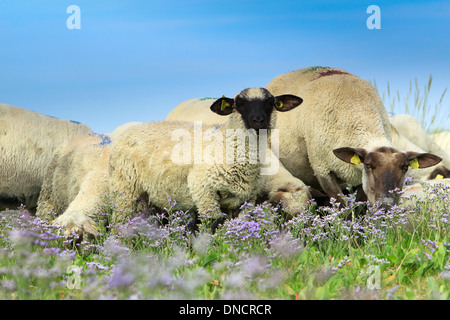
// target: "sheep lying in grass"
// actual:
[[144, 160], [443, 140], [122, 128], [279, 188], [340, 116], [341, 135], [408, 134], [28, 141], [76, 182]]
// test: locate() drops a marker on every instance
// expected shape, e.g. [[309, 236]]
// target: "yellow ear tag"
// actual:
[[279, 104], [414, 163], [224, 104], [355, 159], [439, 176]]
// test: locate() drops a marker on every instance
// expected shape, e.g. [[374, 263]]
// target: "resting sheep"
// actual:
[[145, 160], [443, 140], [341, 135], [76, 182], [408, 134], [279, 188], [28, 141], [341, 108]]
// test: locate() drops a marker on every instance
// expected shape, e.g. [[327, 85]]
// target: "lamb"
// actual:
[[145, 160], [341, 135], [76, 182], [28, 141], [281, 188]]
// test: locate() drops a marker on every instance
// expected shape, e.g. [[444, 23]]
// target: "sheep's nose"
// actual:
[[258, 122]]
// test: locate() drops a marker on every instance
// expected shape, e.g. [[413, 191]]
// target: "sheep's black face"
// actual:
[[255, 106]]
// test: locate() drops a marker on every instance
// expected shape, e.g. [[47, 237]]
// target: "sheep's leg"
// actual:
[[81, 214], [46, 205], [126, 195], [207, 203], [46, 202], [331, 187], [206, 200]]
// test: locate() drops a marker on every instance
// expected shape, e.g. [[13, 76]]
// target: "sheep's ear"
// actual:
[[223, 106], [351, 155], [422, 160], [287, 102]]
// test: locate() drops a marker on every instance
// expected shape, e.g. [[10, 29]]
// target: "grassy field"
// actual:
[[323, 253]]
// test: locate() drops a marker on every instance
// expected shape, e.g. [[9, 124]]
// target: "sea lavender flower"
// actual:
[[113, 248], [286, 246], [121, 277]]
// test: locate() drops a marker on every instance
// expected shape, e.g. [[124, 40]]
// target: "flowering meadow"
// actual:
[[322, 253]]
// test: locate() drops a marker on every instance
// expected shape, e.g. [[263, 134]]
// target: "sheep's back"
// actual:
[[339, 109], [28, 141]]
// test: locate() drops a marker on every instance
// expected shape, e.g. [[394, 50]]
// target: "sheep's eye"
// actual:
[[279, 104], [368, 166], [405, 167]]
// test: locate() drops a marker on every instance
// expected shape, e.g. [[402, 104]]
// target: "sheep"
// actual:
[[28, 141], [408, 134], [410, 128], [294, 156], [341, 135], [433, 172], [280, 188], [122, 128], [145, 160], [196, 110], [443, 140], [76, 182]]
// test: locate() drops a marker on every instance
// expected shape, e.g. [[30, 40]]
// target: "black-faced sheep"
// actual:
[[341, 135], [147, 158], [28, 141], [280, 187]]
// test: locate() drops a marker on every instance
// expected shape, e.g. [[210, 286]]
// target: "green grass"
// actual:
[[433, 115], [319, 254], [400, 254]]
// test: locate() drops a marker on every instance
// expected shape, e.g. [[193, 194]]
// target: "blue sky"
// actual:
[[136, 60]]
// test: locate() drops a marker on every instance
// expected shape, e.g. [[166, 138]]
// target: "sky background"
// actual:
[[136, 60]]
